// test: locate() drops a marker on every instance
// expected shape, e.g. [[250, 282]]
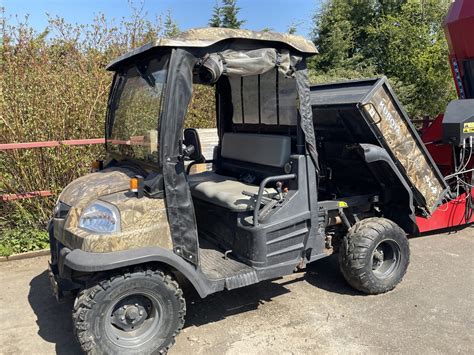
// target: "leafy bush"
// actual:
[[202, 108], [54, 86], [19, 240], [20, 232]]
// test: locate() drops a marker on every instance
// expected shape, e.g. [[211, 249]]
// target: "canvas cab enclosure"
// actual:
[[260, 79]]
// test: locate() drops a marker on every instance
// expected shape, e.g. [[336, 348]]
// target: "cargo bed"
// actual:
[[368, 112]]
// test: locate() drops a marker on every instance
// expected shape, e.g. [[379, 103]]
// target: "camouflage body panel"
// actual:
[[402, 143], [144, 221], [144, 224], [205, 37], [82, 191]]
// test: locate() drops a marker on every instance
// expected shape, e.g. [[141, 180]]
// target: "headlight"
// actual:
[[100, 217]]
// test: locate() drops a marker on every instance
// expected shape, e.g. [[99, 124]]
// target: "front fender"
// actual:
[[83, 261]]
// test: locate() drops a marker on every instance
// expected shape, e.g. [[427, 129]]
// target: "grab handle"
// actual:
[[261, 189]]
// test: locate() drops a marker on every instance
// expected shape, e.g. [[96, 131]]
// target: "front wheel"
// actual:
[[134, 312], [374, 255]]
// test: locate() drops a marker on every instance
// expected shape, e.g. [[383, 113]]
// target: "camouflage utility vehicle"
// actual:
[[299, 173]]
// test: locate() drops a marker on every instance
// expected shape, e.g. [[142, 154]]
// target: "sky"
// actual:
[[277, 15]]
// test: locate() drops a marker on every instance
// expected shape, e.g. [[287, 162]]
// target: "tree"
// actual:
[[226, 15], [402, 39], [333, 35], [410, 47], [291, 29], [229, 14], [171, 28], [215, 20]]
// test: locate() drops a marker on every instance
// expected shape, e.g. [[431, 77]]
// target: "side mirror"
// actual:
[[192, 144]]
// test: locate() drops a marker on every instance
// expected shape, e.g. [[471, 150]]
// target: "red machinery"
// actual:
[[459, 29]]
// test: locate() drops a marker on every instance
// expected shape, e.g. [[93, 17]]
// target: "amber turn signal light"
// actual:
[[136, 185]]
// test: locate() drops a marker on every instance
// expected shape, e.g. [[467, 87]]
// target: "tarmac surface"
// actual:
[[430, 312]]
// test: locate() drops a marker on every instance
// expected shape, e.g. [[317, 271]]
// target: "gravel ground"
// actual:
[[430, 312]]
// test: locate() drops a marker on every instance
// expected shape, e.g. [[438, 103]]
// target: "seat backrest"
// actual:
[[263, 149]]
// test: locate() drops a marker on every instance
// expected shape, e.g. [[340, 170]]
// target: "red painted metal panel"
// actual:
[[450, 214], [47, 144], [459, 29], [83, 141], [441, 153], [458, 26], [134, 140], [12, 197], [29, 145], [433, 132]]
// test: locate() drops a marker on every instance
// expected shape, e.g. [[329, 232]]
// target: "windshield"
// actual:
[[135, 110]]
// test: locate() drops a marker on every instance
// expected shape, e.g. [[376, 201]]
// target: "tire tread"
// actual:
[[354, 249], [85, 301]]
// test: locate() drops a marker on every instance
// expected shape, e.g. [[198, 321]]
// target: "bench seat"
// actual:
[[267, 152], [225, 191]]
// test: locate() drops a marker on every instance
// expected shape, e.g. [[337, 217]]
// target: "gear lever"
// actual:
[[279, 186]]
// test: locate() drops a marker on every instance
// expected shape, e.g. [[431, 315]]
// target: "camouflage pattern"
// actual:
[[205, 37], [399, 138], [82, 191], [144, 221]]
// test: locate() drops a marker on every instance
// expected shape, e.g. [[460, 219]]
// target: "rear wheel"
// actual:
[[374, 255], [140, 311]]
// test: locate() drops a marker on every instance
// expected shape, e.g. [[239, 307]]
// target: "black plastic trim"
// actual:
[[83, 261], [373, 153]]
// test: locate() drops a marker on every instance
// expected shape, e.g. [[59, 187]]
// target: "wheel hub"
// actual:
[[378, 258], [385, 259], [130, 316], [132, 313]]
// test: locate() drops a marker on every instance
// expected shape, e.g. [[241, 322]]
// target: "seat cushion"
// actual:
[[224, 191]]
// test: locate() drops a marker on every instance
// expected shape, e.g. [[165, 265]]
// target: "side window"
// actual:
[[250, 99], [236, 84], [268, 99], [287, 100], [202, 108]]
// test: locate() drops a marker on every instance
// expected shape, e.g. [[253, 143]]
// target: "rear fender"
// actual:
[[405, 215]]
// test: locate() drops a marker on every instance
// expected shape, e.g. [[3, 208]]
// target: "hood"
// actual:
[[90, 187]]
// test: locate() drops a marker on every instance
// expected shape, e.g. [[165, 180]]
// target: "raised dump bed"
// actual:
[[367, 111]]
